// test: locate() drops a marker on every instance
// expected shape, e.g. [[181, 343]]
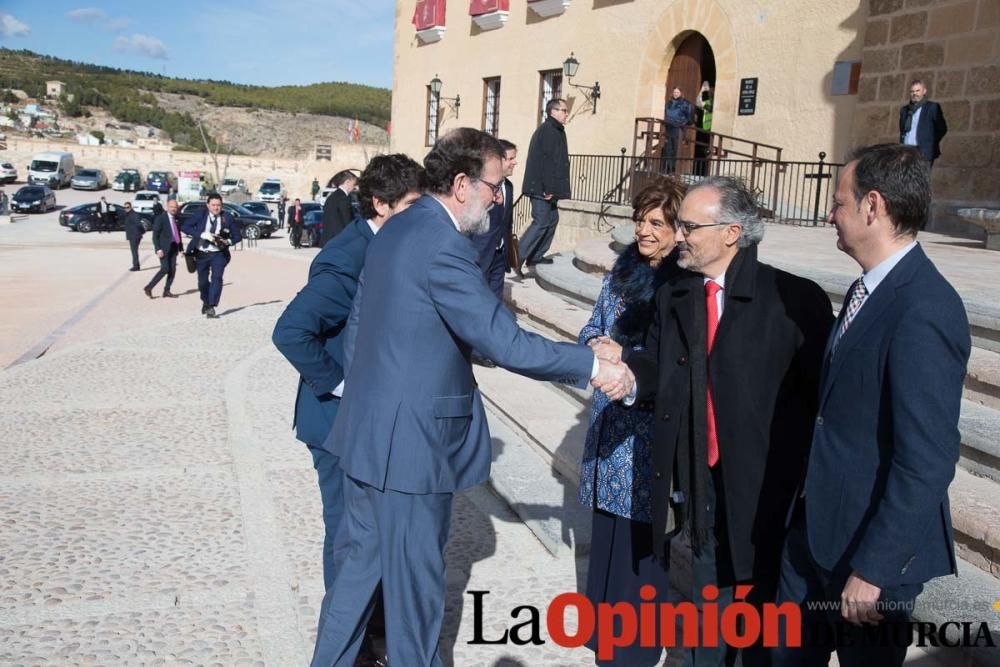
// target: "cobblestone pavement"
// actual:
[[157, 509]]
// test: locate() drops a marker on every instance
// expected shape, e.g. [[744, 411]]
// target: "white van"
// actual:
[[271, 190], [53, 169]]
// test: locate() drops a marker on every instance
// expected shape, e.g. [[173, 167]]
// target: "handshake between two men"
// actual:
[[613, 377]]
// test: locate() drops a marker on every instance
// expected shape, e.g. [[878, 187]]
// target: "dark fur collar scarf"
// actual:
[[636, 282]]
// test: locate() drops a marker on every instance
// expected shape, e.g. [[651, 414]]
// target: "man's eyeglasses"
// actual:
[[690, 227], [494, 189]]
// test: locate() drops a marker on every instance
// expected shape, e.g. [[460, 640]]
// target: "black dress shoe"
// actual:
[[544, 260], [204, 309], [370, 659], [210, 313], [148, 290], [167, 294], [134, 268]]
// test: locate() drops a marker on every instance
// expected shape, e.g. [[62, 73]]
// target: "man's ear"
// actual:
[[460, 187], [733, 234], [876, 205], [381, 208]]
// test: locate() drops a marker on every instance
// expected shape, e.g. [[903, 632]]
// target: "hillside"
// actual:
[[172, 104]]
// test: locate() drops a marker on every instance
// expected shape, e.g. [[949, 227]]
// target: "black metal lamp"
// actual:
[[592, 93], [454, 102]]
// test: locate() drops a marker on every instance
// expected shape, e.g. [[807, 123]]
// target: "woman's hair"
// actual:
[[664, 193]]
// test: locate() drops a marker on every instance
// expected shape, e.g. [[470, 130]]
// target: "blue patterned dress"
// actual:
[[617, 469]]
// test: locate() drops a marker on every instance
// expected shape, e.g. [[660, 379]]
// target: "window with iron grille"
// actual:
[[433, 117], [491, 105], [549, 87]]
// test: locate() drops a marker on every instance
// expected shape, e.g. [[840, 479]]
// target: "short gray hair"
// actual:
[[737, 206]]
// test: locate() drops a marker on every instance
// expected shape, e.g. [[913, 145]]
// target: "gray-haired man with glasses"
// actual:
[[733, 364]]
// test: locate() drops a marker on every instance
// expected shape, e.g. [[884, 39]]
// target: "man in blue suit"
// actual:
[[212, 231], [490, 245], [411, 429], [873, 522], [921, 123], [309, 332]]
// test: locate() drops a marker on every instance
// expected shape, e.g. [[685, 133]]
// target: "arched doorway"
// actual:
[[692, 65]]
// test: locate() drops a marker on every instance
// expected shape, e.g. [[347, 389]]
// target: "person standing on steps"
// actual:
[[546, 181]]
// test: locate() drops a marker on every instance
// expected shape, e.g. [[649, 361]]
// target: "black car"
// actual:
[[33, 199], [84, 218], [258, 207], [252, 225]]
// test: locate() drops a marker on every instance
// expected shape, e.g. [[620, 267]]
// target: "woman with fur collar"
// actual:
[[617, 469]]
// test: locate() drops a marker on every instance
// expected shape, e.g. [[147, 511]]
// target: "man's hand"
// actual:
[[605, 348], [547, 197], [159, 253], [857, 602], [614, 379]]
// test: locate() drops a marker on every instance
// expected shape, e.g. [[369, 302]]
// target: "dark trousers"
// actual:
[[211, 266], [713, 564], [133, 245], [168, 268], [538, 237], [622, 561], [495, 271], [397, 539], [668, 158], [296, 233], [331, 491], [803, 582]]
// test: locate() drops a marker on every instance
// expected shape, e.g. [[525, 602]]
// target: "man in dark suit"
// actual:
[[337, 211], [167, 244], [490, 246], [295, 223], [411, 429], [212, 231], [921, 123], [281, 210], [733, 365], [309, 332], [133, 233], [873, 524], [546, 181]]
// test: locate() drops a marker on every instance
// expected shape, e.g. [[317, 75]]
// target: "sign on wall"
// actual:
[[748, 96]]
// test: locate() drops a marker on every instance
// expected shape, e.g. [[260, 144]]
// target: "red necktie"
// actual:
[[712, 306], [298, 215]]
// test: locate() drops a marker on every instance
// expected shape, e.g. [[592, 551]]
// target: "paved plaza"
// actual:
[[157, 508]]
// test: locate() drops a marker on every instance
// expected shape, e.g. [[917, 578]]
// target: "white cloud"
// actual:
[[143, 45], [11, 27], [117, 25], [87, 14]]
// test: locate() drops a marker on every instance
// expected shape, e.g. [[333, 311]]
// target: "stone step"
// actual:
[[980, 428], [595, 256], [622, 236], [532, 302], [538, 437], [975, 515], [564, 278]]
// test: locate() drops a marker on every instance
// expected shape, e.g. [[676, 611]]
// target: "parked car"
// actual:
[[258, 207], [145, 201], [252, 225], [127, 179], [84, 218], [89, 179], [8, 172], [33, 199], [161, 181], [231, 186], [312, 225], [271, 190]]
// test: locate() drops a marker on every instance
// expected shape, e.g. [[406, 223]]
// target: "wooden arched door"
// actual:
[[686, 72]]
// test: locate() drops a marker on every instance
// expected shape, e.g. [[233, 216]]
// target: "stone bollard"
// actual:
[[988, 219]]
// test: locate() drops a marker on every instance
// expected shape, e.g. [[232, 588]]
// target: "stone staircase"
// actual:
[[539, 431]]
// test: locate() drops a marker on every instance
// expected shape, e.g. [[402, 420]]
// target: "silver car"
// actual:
[[89, 179], [8, 172]]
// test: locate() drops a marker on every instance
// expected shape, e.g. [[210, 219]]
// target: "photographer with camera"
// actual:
[[211, 232]]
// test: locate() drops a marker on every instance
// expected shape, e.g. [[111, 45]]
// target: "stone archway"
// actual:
[[669, 32]]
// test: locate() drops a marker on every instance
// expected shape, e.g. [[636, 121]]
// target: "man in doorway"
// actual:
[[546, 181], [678, 115], [167, 244], [212, 231], [337, 210], [921, 123]]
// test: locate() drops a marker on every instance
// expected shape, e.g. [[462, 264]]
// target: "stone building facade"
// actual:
[[954, 46]]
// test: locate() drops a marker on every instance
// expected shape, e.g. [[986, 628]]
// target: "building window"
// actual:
[[549, 87], [491, 106], [433, 117]]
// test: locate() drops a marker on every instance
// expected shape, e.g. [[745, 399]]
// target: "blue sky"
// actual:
[[263, 42]]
